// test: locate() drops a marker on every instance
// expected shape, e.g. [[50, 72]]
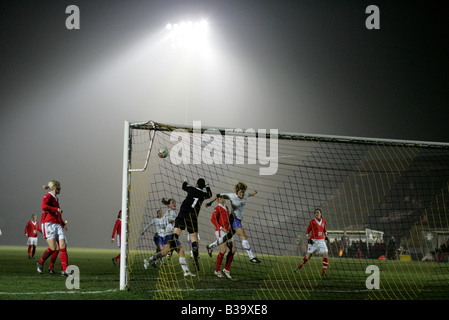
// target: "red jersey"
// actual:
[[318, 229], [59, 218], [32, 228], [50, 209], [117, 228], [220, 217]]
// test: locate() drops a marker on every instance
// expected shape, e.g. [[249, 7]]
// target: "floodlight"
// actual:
[[188, 34]]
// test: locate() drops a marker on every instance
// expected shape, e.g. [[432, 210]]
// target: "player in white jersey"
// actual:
[[159, 222], [170, 216], [159, 236], [238, 201], [169, 219]]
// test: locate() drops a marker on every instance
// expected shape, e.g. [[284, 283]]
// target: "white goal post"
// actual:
[[360, 182]]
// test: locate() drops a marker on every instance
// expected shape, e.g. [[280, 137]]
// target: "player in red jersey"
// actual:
[[117, 230], [31, 230], [53, 227], [317, 236], [220, 219]]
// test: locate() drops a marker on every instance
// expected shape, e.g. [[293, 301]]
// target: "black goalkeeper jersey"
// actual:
[[191, 206]]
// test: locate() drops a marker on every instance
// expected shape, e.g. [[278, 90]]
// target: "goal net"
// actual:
[[385, 204]]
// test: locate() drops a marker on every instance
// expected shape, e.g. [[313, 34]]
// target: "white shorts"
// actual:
[[221, 233], [32, 241], [53, 231], [318, 245]]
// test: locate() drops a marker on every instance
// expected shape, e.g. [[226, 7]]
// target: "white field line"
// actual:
[[58, 292]]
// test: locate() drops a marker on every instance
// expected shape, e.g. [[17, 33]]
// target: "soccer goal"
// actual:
[[379, 199]]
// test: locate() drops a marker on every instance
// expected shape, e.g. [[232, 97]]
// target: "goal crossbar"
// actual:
[[156, 126]]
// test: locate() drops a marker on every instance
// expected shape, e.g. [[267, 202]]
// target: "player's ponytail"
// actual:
[[51, 184], [166, 202]]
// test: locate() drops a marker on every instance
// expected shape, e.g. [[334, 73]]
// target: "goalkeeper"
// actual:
[[188, 214]]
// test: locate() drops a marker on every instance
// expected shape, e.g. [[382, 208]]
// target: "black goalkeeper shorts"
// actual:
[[187, 222]]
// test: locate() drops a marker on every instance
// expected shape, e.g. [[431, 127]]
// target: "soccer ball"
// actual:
[[162, 152]]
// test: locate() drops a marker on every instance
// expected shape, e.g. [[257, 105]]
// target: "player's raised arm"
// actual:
[[224, 196], [208, 193], [211, 201], [152, 222], [252, 193], [185, 185]]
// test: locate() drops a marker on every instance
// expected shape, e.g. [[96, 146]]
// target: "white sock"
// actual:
[[247, 247], [183, 263], [214, 244]]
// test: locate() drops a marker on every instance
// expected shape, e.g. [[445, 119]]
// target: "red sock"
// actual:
[[54, 255], [302, 263], [117, 258], [45, 256], [219, 260], [29, 250], [229, 260], [325, 264], [64, 259], [33, 251]]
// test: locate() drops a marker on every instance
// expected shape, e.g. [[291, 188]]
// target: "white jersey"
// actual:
[[160, 224], [169, 217], [237, 204]]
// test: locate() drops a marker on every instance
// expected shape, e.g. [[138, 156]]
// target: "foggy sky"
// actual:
[[297, 66]]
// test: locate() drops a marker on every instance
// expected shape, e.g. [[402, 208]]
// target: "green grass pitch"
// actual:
[[273, 279]]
